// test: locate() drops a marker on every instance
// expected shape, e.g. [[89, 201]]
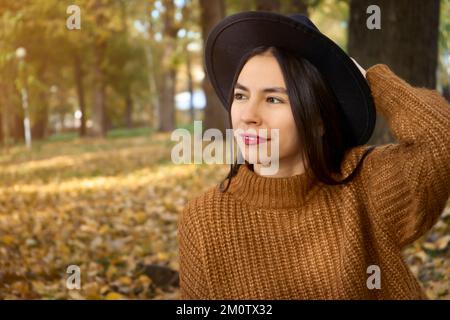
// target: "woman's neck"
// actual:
[[286, 168]]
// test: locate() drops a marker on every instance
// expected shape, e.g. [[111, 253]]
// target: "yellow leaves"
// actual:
[[92, 291], [75, 295], [443, 243], [437, 290], [110, 273], [115, 296], [39, 286], [7, 240], [144, 280], [168, 204], [89, 225], [63, 249], [21, 288], [431, 246], [163, 256], [111, 208], [429, 259], [140, 217], [440, 244], [421, 255], [125, 281], [104, 229]]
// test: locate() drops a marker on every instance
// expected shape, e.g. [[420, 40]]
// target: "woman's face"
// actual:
[[261, 102]]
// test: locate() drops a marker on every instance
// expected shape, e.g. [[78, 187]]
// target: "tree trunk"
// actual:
[[152, 76], [99, 126], [4, 104], [190, 85], [407, 42], [128, 115], [39, 119], [153, 71], [18, 129], [212, 11], [268, 5], [296, 6], [3, 138], [166, 106], [39, 127], [78, 75], [247, 5], [99, 112], [128, 109]]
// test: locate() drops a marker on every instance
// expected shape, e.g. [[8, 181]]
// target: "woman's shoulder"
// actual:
[[203, 202], [351, 159]]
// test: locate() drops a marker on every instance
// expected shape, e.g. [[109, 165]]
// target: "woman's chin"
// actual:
[[266, 161]]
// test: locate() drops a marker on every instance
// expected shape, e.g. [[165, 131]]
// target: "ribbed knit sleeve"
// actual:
[[408, 183], [192, 275]]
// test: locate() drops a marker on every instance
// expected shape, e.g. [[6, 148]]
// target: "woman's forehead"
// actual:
[[261, 72]]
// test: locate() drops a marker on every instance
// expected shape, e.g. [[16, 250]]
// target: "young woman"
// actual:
[[331, 223]]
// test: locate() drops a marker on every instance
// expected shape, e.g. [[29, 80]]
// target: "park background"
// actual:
[[86, 115]]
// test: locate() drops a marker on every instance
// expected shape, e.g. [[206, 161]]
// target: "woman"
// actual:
[[331, 223]]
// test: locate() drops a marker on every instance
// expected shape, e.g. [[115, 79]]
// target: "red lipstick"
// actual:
[[251, 139]]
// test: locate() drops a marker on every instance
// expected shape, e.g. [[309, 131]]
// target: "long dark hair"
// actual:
[[312, 103]]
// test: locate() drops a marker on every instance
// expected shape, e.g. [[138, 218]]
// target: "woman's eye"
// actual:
[[274, 100], [238, 96]]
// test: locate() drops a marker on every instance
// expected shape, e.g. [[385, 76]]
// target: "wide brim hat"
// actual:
[[236, 35]]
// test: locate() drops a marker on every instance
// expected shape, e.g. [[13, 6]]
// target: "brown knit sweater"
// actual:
[[293, 238]]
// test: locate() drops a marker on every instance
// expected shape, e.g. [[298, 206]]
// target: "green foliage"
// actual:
[[444, 26], [128, 133]]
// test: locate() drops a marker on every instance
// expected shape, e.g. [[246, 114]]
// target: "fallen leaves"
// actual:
[[111, 211], [429, 258], [441, 244], [111, 208]]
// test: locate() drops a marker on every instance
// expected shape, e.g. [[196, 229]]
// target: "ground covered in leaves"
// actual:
[[110, 206]]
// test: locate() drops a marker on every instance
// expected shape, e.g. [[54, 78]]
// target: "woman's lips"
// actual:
[[250, 139]]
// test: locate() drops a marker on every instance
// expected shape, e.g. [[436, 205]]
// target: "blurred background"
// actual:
[[86, 113]]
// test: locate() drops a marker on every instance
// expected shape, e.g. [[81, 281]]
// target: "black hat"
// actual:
[[236, 35]]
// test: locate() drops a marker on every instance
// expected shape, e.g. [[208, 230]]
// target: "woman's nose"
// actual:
[[251, 113]]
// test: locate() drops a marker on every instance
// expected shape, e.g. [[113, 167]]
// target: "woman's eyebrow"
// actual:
[[273, 89]]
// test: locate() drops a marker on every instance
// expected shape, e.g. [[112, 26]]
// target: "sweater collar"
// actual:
[[271, 192], [288, 192]]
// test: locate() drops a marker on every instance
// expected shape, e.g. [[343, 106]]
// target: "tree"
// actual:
[[126, 60], [407, 42], [164, 56], [166, 120], [212, 11], [99, 95], [268, 5]]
